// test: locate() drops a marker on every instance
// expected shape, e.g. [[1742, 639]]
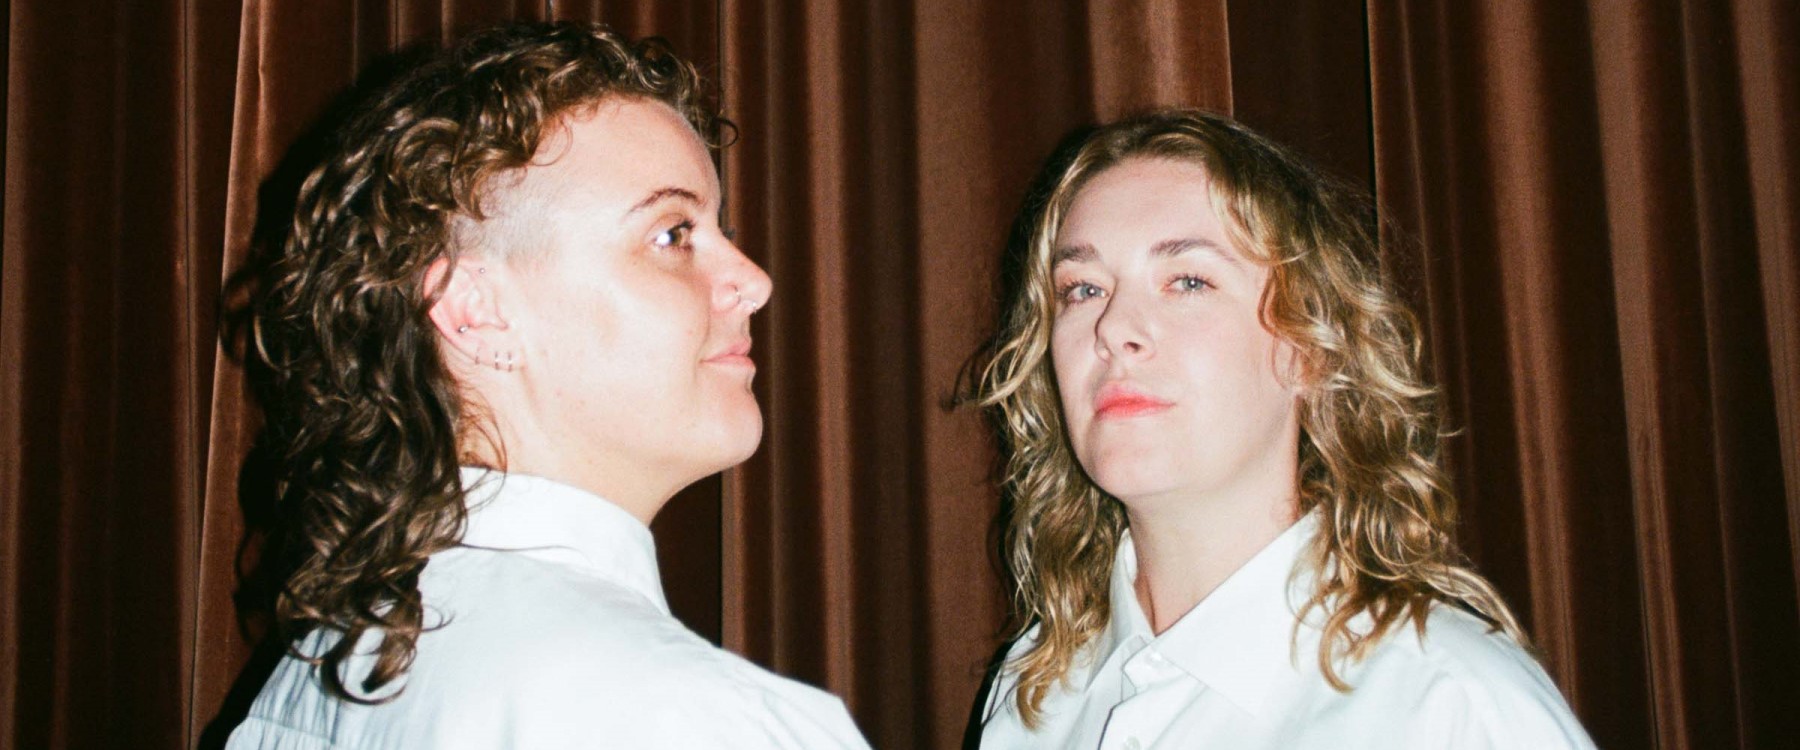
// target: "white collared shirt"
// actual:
[[1224, 675], [554, 634]]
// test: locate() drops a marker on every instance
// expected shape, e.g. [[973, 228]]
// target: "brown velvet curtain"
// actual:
[[1594, 206], [1602, 203]]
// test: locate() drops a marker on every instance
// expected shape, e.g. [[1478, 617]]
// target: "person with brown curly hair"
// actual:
[[505, 329], [1230, 525]]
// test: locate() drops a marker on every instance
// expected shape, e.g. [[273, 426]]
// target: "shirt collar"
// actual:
[[1239, 640], [564, 524]]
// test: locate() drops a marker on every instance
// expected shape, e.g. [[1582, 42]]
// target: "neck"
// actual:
[[1187, 546], [522, 446]]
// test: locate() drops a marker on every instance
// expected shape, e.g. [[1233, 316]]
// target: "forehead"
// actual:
[[1139, 202], [619, 150]]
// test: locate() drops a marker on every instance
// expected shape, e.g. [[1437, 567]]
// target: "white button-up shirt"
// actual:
[[1231, 673], [554, 634]]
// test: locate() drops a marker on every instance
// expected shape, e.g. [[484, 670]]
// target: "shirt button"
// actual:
[[1133, 744]]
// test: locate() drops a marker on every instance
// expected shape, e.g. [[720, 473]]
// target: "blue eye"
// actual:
[[1189, 284], [679, 236], [1079, 291]]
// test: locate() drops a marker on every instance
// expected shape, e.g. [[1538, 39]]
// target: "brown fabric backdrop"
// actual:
[[1595, 206]]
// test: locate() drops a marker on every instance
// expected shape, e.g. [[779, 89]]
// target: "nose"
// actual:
[[742, 284], [1121, 331]]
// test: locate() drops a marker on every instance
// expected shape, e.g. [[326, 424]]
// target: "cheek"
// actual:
[[663, 317], [1070, 359]]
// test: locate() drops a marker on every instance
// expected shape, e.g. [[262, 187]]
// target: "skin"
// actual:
[[617, 308], [1172, 388]]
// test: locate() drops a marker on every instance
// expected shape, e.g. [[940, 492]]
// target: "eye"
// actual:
[[1188, 284], [678, 236], [1076, 292]]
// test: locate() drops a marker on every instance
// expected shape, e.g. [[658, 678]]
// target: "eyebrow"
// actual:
[[662, 194], [1079, 253], [1083, 252], [1174, 247]]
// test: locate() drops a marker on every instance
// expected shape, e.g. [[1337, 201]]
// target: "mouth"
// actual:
[[735, 355], [1118, 401]]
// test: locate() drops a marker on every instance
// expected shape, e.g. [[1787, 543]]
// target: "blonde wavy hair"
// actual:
[[1369, 423]]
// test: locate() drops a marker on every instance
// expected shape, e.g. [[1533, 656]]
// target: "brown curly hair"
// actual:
[[366, 424], [1368, 454]]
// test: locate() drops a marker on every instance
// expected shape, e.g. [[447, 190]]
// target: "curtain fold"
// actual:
[[886, 149], [1594, 207], [115, 131], [1598, 258]]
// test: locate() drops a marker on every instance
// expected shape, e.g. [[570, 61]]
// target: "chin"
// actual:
[[742, 437], [1126, 474]]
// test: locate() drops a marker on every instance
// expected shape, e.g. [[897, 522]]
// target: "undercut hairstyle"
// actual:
[[1368, 458], [366, 424]]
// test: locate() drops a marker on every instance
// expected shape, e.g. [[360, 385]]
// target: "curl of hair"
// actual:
[[1368, 458], [368, 426]]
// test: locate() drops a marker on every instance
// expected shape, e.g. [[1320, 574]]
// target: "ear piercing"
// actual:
[[506, 364], [462, 329]]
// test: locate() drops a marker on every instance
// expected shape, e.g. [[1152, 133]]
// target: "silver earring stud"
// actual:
[[462, 329]]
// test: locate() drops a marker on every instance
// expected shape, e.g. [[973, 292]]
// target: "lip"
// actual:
[[1119, 401], [736, 355]]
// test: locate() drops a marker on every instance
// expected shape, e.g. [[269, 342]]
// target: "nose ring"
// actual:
[[739, 301]]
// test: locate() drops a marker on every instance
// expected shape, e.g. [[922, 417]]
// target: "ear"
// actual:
[[466, 312]]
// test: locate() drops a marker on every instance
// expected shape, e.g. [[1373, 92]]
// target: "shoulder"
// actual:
[[1464, 683], [1001, 679], [535, 644], [507, 622]]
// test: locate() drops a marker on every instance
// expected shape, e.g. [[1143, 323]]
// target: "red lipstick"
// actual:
[[1122, 401]]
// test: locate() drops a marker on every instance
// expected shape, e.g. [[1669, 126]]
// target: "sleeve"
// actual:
[[1501, 711]]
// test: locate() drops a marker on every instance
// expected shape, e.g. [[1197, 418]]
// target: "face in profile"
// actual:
[[1169, 380], [630, 306]]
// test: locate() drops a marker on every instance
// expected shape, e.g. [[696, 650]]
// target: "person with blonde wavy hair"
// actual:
[[1229, 523], [505, 328]]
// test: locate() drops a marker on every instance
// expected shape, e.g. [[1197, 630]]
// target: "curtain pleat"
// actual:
[[1768, 66], [1594, 207], [1581, 185], [106, 210], [886, 149]]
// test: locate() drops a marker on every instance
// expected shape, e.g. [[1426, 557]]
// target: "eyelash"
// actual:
[[1063, 292], [683, 230], [1200, 283]]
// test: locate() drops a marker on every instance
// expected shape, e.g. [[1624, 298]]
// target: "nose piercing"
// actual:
[[738, 300]]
